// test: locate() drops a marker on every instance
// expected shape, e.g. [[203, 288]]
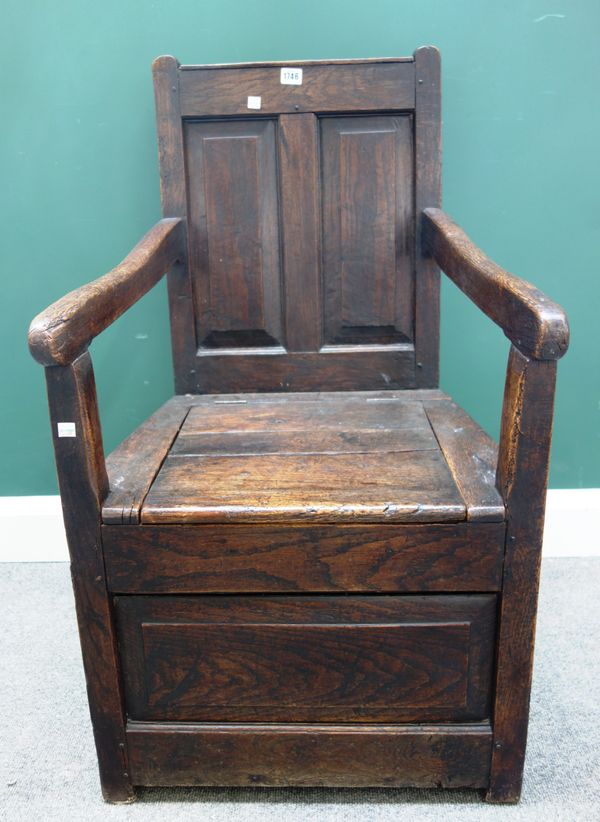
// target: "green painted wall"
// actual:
[[80, 182]]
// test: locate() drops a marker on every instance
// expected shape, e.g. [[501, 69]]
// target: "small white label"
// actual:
[[254, 102], [66, 429], [291, 76]]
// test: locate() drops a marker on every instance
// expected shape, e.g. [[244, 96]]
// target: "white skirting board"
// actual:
[[31, 528]]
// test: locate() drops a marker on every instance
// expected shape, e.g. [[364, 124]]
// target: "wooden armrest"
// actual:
[[537, 326], [63, 331]]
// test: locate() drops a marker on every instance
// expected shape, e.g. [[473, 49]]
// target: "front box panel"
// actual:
[[303, 659]]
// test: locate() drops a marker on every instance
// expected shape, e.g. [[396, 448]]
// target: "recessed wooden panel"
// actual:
[[234, 232], [268, 666], [309, 658], [367, 171]]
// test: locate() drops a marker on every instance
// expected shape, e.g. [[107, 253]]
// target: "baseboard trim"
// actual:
[[31, 528], [571, 528]]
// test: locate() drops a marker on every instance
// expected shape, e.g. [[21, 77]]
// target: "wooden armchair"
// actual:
[[309, 567]]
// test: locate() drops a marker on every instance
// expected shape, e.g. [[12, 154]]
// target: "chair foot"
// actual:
[[503, 795], [123, 794]]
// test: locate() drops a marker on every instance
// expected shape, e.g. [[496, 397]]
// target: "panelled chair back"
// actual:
[[310, 566], [304, 272]]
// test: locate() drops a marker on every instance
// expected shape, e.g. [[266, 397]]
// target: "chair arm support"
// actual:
[[63, 331], [537, 326]]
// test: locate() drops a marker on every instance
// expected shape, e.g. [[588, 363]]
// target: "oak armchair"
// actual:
[[309, 567]]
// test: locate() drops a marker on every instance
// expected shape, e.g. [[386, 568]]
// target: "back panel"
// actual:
[[300, 190]]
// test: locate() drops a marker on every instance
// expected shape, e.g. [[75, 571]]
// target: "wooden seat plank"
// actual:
[[415, 486], [332, 412], [303, 442], [133, 465], [471, 455], [401, 456]]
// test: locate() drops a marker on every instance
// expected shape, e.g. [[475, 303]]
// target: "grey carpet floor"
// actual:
[[47, 761]]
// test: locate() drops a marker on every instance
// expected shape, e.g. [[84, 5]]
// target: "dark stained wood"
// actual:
[[263, 423], [276, 309], [350, 412], [300, 63], [357, 86], [535, 325], [134, 464], [285, 658], [368, 222], [428, 179], [327, 441], [525, 440], [348, 755], [369, 460], [167, 559], [173, 196], [309, 531], [234, 232], [417, 395], [342, 424], [83, 483], [299, 180], [305, 487], [336, 368], [471, 455], [64, 330]]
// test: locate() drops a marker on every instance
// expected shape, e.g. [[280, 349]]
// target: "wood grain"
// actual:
[[133, 465], [532, 322], [424, 756], [416, 395], [369, 460], [353, 422], [336, 368], [329, 412], [307, 659], [428, 184], [284, 443], [83, 483], [471, 456], [343, 87], [261, 327], [524, 453], [174, 196], [368, 222], [306, 542], [64, 330], [305, 487], [234, 232], [300, 201], [167, 559]]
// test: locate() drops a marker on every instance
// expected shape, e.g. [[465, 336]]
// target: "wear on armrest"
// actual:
[[536, 325], [65, 329]]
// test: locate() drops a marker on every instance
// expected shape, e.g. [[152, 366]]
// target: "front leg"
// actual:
[[521, 478], [83, 485]]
